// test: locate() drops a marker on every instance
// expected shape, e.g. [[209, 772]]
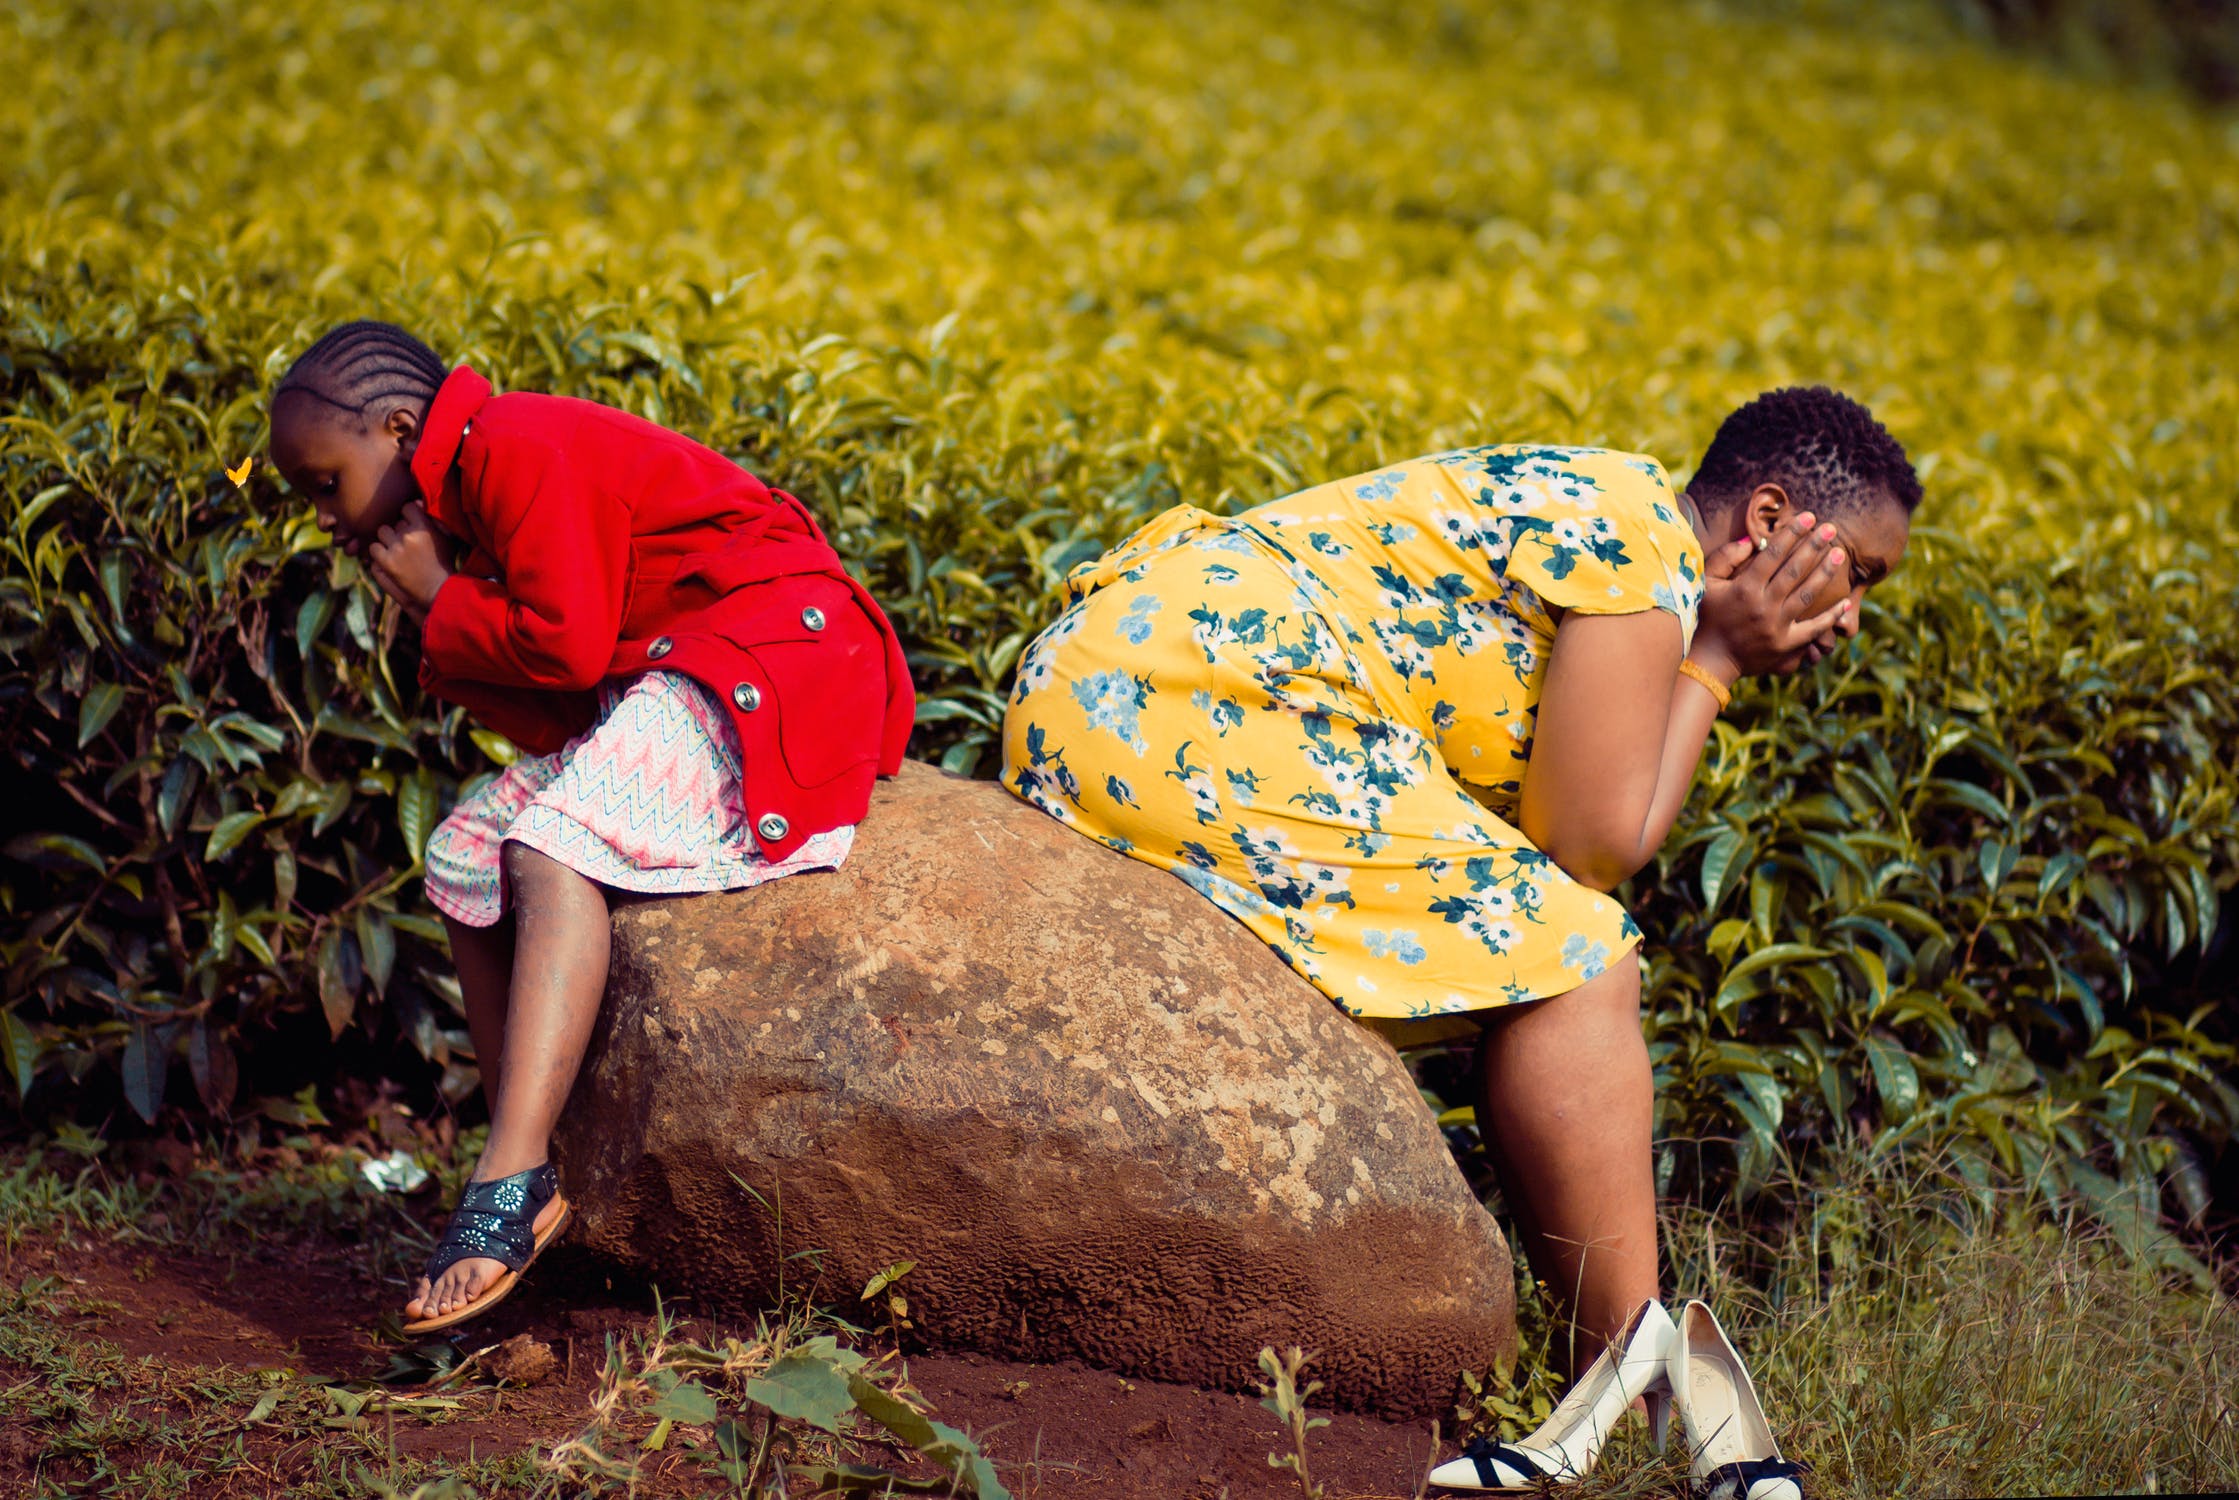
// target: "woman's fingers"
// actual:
[[1808, 631], [1818, 584], [1805, 555], [1728, 561]]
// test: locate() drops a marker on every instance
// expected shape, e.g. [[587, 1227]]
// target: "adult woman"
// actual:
[[1412, 727]]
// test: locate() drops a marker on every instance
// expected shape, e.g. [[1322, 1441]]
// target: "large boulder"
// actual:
[[1104, 1120]]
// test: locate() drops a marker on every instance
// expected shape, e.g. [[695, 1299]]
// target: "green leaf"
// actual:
[[804, 1387], [1718, 861], [944, 1445], [229, 832], [310, 620], [22, 1052], [497, 747], [689, 1402], [211, 1063], [26, 845], [376, 946], [146, 1062], [886, 1278], [865, 1480], [96, 709], [1895, 1078], [1766, 958], [337, 997], [415, 811]]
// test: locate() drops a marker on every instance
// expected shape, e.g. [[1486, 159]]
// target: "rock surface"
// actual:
[[1104, 1120]]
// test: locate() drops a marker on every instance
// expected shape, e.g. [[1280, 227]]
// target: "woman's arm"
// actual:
[[1620, 730], [1616, 743]]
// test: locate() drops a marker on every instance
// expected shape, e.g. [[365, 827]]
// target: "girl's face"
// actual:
[[356, 474]]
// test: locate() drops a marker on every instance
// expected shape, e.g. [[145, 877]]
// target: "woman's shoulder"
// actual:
[[1542, 474]]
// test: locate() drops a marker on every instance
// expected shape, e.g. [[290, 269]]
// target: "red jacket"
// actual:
[[601, 546]]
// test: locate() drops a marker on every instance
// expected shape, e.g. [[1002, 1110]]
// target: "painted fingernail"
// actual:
[[1826, 533], [1835, 558]]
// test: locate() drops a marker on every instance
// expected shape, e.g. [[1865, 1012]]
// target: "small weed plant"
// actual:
[[1282, 1394]]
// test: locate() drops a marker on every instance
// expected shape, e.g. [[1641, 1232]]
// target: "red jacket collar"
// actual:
[[441, 431]]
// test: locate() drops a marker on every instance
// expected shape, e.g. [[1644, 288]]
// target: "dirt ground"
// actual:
[[1055, 1432]]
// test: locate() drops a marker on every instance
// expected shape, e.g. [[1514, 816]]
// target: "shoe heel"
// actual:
[[1659, 1417]]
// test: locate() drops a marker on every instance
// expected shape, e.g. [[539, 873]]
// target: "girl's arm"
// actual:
[[1620, 730], [564, 549]]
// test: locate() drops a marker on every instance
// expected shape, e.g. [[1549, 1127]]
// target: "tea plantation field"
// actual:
[[989, 284]]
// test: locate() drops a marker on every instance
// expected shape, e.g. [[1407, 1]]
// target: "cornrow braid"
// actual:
[[359, 365], [1825, 449]]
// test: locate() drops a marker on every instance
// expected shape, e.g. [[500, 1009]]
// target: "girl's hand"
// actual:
[[410, 561], [1761, 610]]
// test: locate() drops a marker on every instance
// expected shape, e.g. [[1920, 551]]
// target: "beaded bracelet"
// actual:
[[1718, 690]]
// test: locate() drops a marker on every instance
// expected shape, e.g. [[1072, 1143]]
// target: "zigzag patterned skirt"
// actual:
[[647, 800]]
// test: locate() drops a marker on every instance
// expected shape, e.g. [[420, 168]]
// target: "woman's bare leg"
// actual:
[[557, 979], [1567, 1111]]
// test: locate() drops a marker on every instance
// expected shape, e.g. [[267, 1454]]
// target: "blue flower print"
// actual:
[[1224, 892], [1588, 958], [1205, 802], [1242, 786], [1398, 943], [1380, 486], [1120, 792], [1213, 631], [1136, 623], [1114, 701], [1045, 780]]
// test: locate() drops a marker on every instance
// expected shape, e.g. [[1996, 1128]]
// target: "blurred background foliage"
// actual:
[[988, 285]]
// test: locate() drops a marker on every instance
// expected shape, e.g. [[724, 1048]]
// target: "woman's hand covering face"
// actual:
[[1767, 611]]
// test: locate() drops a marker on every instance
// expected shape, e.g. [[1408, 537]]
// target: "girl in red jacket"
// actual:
[[702, 694]]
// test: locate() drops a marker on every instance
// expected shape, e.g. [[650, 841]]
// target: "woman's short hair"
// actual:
[[1823, 448]]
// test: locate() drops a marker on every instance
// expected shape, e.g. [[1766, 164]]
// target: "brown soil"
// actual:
[[1054, 1431]]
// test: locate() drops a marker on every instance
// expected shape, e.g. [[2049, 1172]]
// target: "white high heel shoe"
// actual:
[[1735, 1455], [1570, 1440]]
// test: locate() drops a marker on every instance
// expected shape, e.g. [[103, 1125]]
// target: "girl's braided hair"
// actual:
[[360, 365]]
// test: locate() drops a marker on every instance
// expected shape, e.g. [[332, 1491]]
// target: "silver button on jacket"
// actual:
[[771, 826], [813, 618], [660, 647], [747, 696]]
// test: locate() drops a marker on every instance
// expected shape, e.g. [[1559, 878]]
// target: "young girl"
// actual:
[[703, 695]]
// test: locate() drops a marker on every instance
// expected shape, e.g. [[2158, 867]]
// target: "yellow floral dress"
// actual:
[[1318, 713]]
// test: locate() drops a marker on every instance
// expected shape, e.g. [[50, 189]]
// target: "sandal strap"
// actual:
[[497, 1220], [1484, 1451], [1735, 1480]]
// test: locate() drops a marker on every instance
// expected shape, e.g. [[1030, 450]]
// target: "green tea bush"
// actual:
[[988, 288]]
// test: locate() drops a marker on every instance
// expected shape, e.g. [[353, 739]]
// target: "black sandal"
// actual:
[[496, 1219]]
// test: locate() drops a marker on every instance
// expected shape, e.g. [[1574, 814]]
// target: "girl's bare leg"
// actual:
[[484, 958], [556, 981], [1566, 1107]]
